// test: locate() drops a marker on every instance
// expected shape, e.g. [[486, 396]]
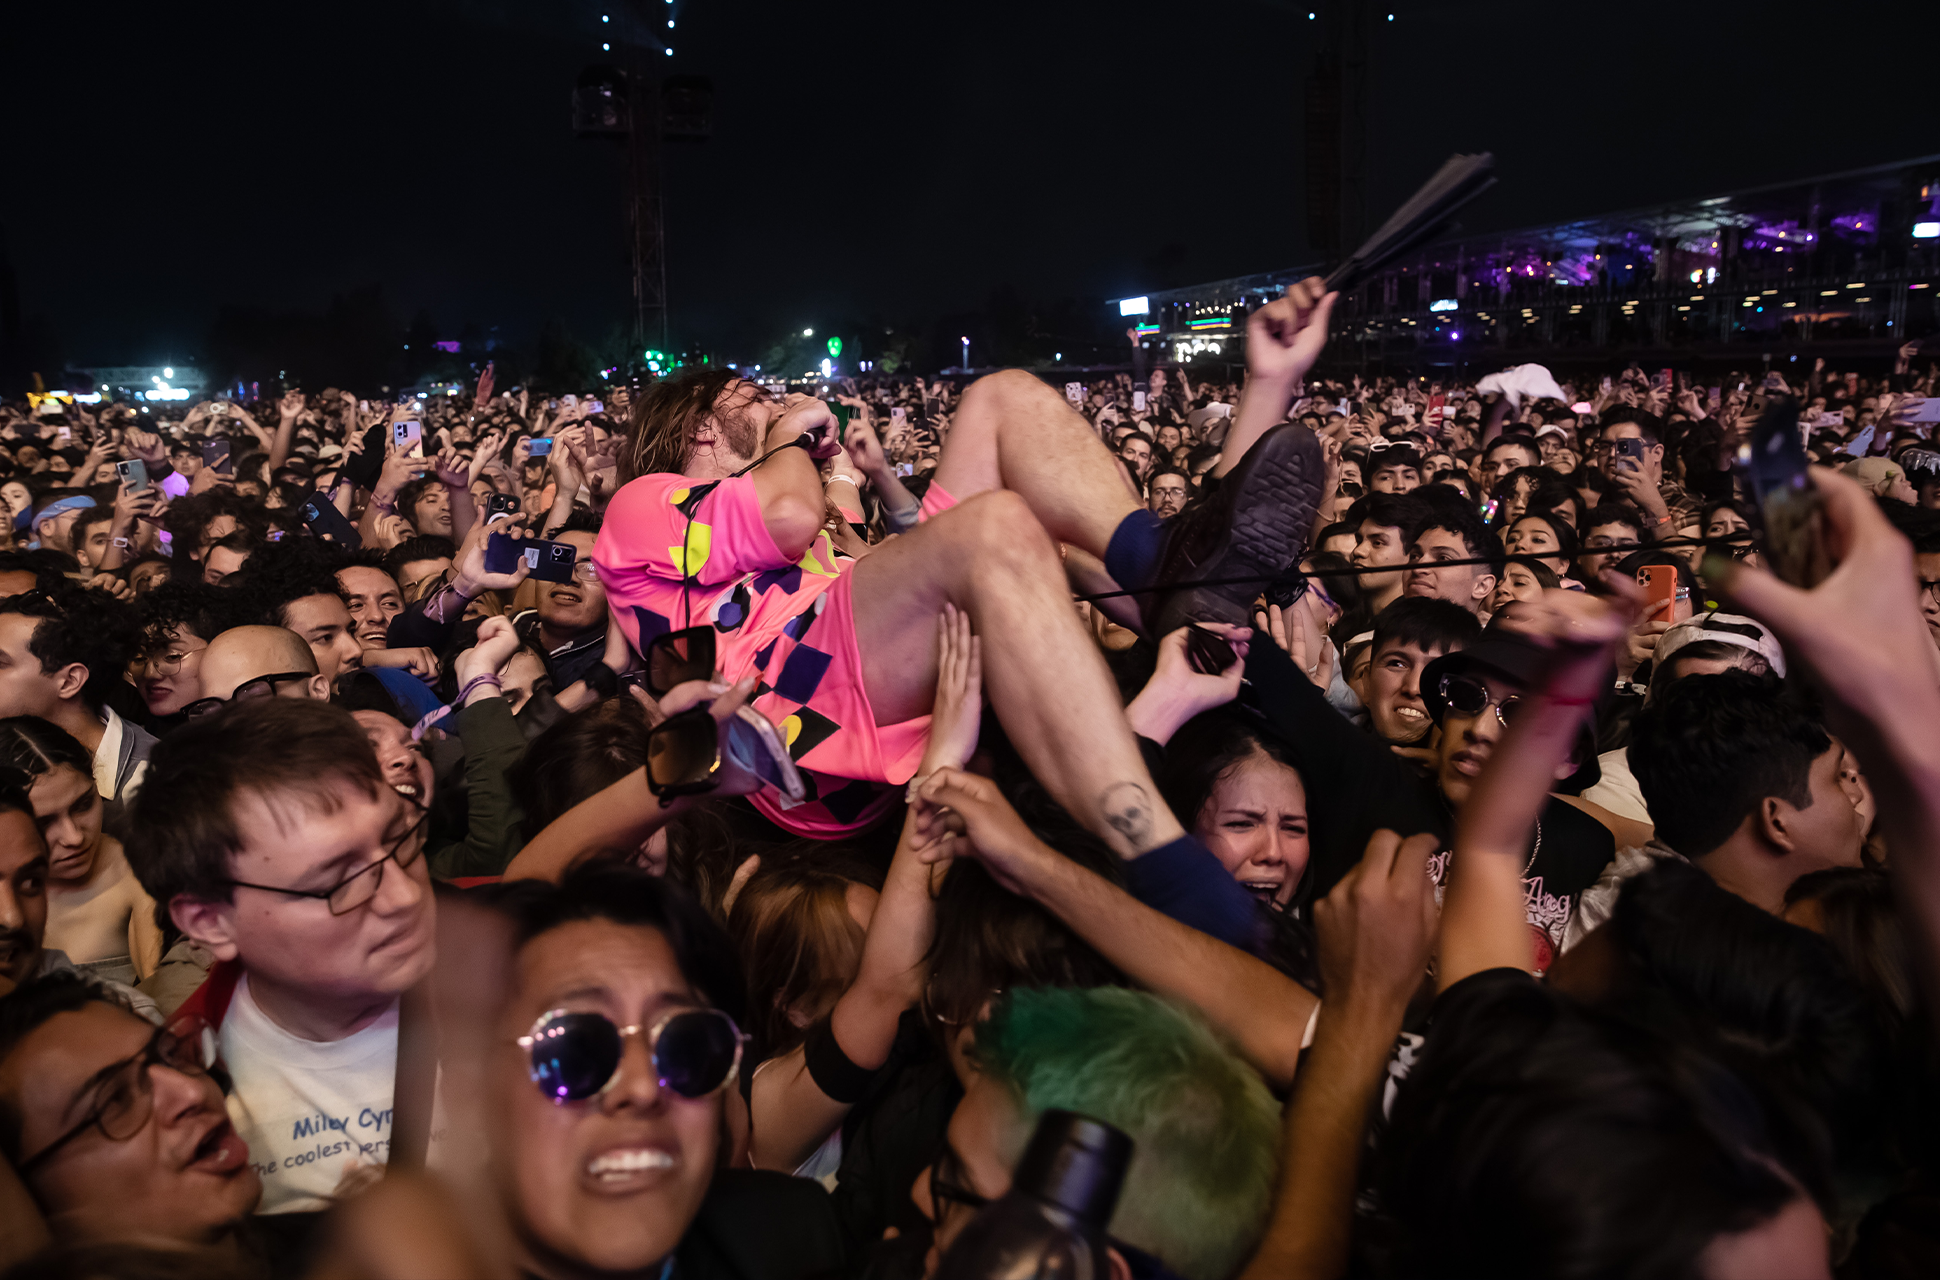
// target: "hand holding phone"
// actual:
[[407, 438], [1659, 582]]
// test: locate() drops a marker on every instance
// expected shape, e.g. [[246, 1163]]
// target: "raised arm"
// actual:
[[1264, 1012], [794, 1111], [626, 813], [1375, 931], [788, 483], [1483, 921], [1860, 636], [1283, 339]]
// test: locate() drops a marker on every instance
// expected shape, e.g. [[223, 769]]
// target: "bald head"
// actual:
[[242, 654]]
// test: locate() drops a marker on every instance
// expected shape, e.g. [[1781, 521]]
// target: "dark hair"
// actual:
[[38, 747], [1521, 441], [1710, 750], [206, 612], [1648, 423], [89, 517], [188, 517], [408, 495], [606, 889], [1427, 623], [1515, 1077], [1614, 513], [1337, 577], [50, 575], [1387, 459], [582, 521], [1559, 529], [1769, 999], [1466, 523], [88, 627], [1388, 510], [184, 830], [425, 546], [284, 572], [577, 756], [25, 1010]]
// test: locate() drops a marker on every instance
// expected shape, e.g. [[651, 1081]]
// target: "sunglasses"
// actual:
[[677, 657], [690, 754], [1470, 697], [260, 687], [576, 1056]]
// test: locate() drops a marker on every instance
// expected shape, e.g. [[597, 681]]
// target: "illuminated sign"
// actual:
[[1135, 307]]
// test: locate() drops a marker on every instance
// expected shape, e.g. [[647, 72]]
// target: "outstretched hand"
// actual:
[[965, 815], [958, 714], [1177, 691], [1377, 926], [1285, 337]]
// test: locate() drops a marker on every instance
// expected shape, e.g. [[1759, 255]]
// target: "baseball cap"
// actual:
[[1507, 656], [1726, 628]]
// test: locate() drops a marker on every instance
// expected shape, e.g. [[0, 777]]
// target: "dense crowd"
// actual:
[[702, 828]]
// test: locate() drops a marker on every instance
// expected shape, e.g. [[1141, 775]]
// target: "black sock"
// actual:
[[1132, 558]]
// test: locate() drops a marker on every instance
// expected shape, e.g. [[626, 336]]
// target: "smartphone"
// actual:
[[408, 438], [540, 447], [905, 468], [569, 400], [1630, 448], [1789, 521], [1074, 392], [134, 475], [322, 518], [1928, 410], [752, 742], [1659, 582], [215, 453], [1138, 402], [596, 406], [499, 506], [548, 561], [898, 415], [1717, 394], [1606, 386]]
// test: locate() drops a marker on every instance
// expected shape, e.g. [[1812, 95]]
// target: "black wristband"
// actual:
[[602, 680], [830, 1068]]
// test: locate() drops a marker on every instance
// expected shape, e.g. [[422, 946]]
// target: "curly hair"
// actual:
[[78, 625], [285, 571]]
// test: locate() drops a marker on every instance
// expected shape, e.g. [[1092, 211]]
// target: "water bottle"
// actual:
[[1052, 1224]]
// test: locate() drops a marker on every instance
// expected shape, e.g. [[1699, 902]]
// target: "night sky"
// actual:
[[887, 160]]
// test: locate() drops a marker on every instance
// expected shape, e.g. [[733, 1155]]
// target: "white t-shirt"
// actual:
[[311, 1111]]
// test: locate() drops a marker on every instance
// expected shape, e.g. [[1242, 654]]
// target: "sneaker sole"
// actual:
[[1272, 497]]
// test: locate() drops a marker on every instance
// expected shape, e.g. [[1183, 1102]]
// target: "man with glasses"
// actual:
[[1608, 526], [246, 662], [120, 1133], [1630, 453], [569, 624], [274, 842]]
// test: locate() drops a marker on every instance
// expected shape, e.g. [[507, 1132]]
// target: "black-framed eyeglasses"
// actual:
[[573, 1056], [361, 885], [124, 1095], [946, 1184], [260, 687], [1932, 588], [1468, 696]]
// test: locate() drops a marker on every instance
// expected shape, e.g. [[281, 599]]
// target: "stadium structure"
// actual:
[[1846, 265]]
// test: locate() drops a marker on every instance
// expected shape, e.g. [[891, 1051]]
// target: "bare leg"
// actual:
[[1044, 677], [1014, 432]]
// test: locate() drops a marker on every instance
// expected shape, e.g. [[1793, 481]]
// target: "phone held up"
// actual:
[[548, 561], [215, 455], [408, 438], [539, 448], [133, 475]]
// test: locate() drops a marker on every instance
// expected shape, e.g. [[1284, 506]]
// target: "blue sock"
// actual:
[[1132, 558], [1183, 880]]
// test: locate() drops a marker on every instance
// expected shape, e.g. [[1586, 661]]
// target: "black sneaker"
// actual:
[[1253, 527]]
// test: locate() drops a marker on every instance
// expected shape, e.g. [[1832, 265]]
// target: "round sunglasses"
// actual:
[[1470, 697], [575, 1056]]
